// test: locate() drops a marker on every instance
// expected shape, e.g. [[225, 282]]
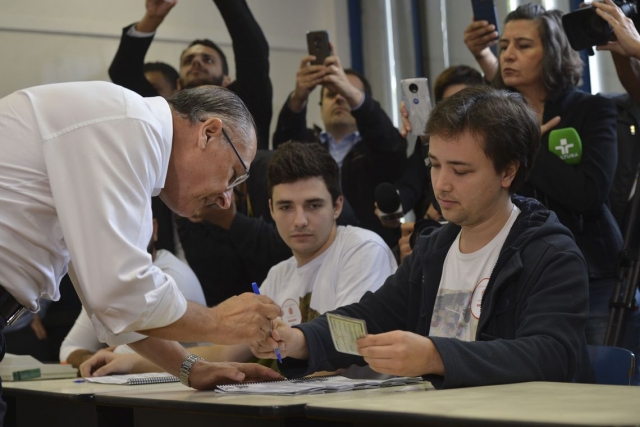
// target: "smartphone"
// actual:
[[485, 10], [318, 45], [417, 101]]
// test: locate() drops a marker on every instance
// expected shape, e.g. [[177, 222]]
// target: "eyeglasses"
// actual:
[[242, 178]]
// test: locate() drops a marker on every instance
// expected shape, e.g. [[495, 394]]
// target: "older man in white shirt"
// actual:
[[80, 162]]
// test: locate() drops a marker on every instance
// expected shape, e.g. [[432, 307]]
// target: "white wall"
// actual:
[[46, 41], [460, 14], [43, 41]]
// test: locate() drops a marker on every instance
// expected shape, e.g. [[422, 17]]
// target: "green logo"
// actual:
[[566, 144]]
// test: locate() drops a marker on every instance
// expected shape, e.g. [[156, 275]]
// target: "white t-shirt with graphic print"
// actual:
[[464, 280], [357, 261]]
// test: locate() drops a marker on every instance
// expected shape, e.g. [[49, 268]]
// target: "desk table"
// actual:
[[524, 404], [64, 403], [152, 408]]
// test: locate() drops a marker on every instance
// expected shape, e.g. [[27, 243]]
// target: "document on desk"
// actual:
[[313, 385], [345, 331], [135, 379]]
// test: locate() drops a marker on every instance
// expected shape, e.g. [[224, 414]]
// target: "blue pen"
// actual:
[[256, 291]]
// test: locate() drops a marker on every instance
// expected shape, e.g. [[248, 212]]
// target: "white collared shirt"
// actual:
[[82, 335], [79, 164]]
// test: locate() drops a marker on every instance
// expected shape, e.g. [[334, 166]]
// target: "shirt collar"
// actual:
[[325, 138]]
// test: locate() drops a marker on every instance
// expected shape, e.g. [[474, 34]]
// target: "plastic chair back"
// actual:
[[612, 365]]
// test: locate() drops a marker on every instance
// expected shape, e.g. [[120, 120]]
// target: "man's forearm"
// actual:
[[241, 318], [195, 325], [489, 65], [240, 353], [167, 355]]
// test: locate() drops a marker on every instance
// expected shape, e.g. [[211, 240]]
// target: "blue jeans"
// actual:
[[600, 292]]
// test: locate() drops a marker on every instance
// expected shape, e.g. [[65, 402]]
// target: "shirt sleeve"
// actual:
[[133, 32], [80, 337], [127, 67], [251, 53], [102, 176]]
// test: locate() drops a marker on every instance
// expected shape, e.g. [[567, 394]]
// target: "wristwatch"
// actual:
[[185, 368]]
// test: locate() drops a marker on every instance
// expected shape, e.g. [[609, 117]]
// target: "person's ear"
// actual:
[[337, 207], [226, 81], [210, 130], [178, 85], [271, 207], [509, 173]]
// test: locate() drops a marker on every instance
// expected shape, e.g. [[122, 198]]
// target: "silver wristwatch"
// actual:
[[187, 364]]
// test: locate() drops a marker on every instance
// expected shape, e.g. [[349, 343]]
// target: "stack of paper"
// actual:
[[312, 385]]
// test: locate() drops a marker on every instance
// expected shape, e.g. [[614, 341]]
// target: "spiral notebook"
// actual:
[[313, 385], [135, 379]]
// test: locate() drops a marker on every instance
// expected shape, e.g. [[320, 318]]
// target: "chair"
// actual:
[[612, 365]]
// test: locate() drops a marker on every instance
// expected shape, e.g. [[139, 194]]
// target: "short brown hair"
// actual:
[[504, 121], [295, 161], [460, 74]]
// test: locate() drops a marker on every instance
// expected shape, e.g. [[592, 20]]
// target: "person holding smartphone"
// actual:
[[357, 133], [536, 60], [415, 187]]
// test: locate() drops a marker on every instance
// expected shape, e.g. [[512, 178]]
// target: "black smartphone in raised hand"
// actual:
[[318, 45], [485, 10]]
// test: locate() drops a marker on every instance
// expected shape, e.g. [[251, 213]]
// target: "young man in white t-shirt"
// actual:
[[498, 295], [331, 265]]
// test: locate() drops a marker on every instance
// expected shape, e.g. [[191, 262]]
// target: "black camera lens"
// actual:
[[413, 87], [585, 29]]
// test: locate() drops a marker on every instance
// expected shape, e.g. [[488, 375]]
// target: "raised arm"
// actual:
[[625, 50], [628, 70], [292, 120], [251, 52], [479, 36], [127, 66]]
